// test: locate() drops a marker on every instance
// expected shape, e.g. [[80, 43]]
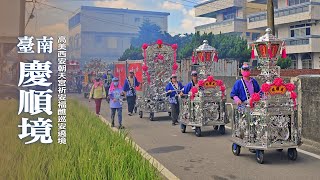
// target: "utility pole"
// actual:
[[270, 16], [21, 33]]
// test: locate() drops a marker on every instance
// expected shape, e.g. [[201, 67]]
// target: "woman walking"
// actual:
[[97, 93], [115, 93]]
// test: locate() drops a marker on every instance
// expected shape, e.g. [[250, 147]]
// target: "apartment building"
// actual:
[[298, 23], [231, 17], [105, 33]]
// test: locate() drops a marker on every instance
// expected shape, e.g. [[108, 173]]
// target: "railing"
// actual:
[[281, 12], [219, 24], [294, 42]]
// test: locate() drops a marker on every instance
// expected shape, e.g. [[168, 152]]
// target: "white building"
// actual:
[[231, 17], [298, 23], [105, 33]]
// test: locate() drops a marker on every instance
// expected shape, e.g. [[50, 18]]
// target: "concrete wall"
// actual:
[[309, 105]]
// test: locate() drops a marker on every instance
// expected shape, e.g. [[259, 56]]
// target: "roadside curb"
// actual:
[[163, 170]]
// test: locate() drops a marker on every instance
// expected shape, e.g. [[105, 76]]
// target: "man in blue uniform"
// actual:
[[244, 87], [129, 87], [173, 88], [194, 82], [187, 88]]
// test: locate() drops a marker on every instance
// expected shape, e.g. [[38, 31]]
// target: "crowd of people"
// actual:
[[109, 88]]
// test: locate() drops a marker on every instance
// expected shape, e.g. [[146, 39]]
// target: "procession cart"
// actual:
[[159, 64], [269, 119], [205, 104]]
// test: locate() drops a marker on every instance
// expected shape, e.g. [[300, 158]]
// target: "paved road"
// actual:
[[209, 157]]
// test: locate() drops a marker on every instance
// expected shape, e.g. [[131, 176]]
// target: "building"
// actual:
[[298, 23], [231, 17], [105, 33]]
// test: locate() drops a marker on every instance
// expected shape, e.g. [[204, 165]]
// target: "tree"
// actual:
[[148, 33], [132, 54], [284, 63]]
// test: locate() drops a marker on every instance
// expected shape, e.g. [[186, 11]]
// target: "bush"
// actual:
[[284, 63]]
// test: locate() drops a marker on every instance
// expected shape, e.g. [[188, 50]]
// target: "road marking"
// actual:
[[298, 149], [308, 153], [163, 170]]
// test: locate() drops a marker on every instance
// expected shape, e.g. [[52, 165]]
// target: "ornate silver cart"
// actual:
[[204, 105], [269, 119], [159, 59]]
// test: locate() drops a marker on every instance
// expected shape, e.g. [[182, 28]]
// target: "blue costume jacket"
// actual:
[[239, 90], [187, 88], [172, 95], [131, 90]]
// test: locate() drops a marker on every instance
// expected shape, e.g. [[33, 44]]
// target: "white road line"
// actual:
[[308, 153], [163, 170], [298, 149]]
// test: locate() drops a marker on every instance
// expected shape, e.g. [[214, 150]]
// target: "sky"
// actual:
[[51, 20]]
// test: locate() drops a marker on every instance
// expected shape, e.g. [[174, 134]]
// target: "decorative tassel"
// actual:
[[252, 52], [284, 53], [193, 59], [145, 56], [269, 51], [216, 57]]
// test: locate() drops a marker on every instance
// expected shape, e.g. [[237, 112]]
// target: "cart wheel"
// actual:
[[236, 149], [169, 113], [183, 128], [198, 131], [140, 114], [215, 128], [135, 109], [259, 156], [151, 117], [222, 129], [292, 154], [279, 150]]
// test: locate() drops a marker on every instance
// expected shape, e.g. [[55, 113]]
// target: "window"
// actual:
[[300, 30], [229, 15], [306, 61], [255, 36], [112, 43], [294, 61], [137, 20], [98, 39], [248, 34], [296, 2]]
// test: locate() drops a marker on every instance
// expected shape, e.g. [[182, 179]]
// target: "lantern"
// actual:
[[205, 53], [268, 46]]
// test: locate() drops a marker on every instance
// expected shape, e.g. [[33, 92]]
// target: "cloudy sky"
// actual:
[[51, 15]]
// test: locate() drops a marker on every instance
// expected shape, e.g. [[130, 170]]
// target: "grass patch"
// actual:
[[93, 150]]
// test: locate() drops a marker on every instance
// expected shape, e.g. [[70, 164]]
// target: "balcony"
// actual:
[[227, 26], [212, 7], [303, 44], [290, 14]]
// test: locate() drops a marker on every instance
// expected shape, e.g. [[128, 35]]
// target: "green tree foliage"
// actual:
[[284, 63], [148, 33], [228, 46], [132, 54]]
